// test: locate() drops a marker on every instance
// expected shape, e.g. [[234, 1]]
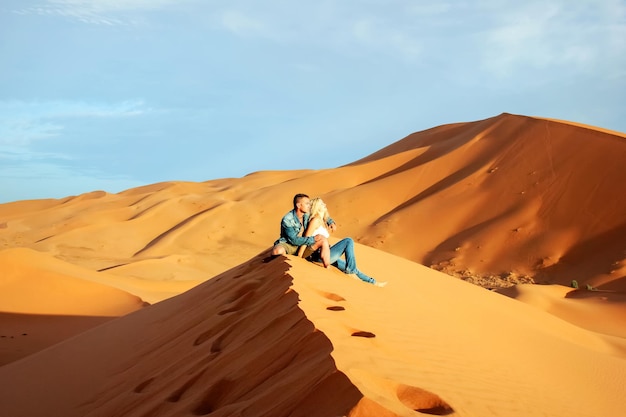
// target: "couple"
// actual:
[[311, 216]]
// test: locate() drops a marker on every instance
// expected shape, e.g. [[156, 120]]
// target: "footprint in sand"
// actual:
[[177, 394], [141, 387], [238, 303], [361, 333], [332, 296], [422, 401], [213, 399]]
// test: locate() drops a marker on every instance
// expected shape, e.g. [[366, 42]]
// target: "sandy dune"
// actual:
[[236, 345], [497, 202], [497, 199], [44, 300], [242, 344]]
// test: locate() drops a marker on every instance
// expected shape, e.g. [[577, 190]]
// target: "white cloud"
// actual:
[[12, 153], [237, 22], [99, 12], [70, 108], [382, 36], [23, 123], [29, 170], [430, 9], [559, 34], [333, 26], [21, 132]]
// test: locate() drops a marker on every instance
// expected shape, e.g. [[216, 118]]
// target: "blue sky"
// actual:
[[113, 94]]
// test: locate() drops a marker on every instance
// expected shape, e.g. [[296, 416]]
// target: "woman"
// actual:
[[331, 255], [318, 218]]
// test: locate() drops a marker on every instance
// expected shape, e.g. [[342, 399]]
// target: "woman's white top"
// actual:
[[321, 230]]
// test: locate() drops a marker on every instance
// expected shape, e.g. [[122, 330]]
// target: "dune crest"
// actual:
[[235, 345]]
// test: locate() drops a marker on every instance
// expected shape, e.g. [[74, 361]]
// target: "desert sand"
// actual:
[[163, 300]]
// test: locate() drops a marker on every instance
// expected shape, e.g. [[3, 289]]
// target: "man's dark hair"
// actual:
[[297, 198]]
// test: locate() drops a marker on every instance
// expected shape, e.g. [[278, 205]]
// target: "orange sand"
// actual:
[[231, 332]]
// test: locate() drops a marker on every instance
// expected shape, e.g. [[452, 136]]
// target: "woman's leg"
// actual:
[[345, 247], [341, 265], [325, 253], [364, 277]]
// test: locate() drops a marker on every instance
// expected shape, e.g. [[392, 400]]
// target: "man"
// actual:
[[292, 225]]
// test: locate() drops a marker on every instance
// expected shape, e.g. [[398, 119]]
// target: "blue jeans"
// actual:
[[346, 247]]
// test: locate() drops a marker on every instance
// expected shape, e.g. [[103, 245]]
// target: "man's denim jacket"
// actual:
[[290, 228]]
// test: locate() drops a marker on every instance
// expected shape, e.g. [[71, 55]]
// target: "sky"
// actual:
[[114, 94]]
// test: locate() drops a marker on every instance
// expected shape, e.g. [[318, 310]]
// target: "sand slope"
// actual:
[[242, 344], [496, 202], [508, 194], [432, 343], [44, 300], [236, 345], [34, 282]]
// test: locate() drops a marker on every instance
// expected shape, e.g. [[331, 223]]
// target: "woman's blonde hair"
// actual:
[[318, 208]]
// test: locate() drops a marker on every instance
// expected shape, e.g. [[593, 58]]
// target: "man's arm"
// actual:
[[290, 232], [331, 224]]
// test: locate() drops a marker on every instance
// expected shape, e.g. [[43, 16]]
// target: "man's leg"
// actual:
[[278, 250], [345, 247], [284, 248]]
